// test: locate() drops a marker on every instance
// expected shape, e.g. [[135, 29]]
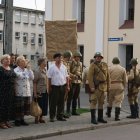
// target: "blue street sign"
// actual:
[[116, 39]]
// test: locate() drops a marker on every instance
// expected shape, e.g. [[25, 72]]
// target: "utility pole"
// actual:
[[8, 26]]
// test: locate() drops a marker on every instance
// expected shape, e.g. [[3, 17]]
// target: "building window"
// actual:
[[1, 35], [1, 16], [32, 39], [25, 17], [130, 10], [17, 16], [32, 57], [25, 56], [79, 10], [127, 8], [79, 14], [25, 38], [33, 19], [40, 39], [41, 20], [17, 35], [82, 11]]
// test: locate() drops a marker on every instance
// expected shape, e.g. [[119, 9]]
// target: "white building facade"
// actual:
[[108, 26]]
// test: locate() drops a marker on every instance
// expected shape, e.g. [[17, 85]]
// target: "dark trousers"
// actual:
[[43, 103], [57, 101], [75, 95]]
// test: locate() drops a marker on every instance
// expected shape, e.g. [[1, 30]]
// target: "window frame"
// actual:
[[2, 16], [33, 36], [17, 16], [17, 35], [1, 35], [25, 36], [40, 39]]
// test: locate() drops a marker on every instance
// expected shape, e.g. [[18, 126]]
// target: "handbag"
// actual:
[[35, 109]]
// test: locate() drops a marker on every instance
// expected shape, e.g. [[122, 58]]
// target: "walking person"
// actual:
[[99, 83], [23, 91], [58, 83], [133, 89], [40, 89], [7, 91], [118, 79], [76, 74]]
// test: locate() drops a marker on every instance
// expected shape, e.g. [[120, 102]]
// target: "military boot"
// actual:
[[93, 116], [100, 116], [117, 113], [133, 112], [137, 110], [108, 113]]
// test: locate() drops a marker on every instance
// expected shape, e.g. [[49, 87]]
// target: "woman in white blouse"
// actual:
[[23, 91]]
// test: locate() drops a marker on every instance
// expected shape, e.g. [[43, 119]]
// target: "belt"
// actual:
[[58, 85], [114, 82]]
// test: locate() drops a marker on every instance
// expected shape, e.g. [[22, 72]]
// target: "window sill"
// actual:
[[80, 27], [128, 24], [17, 22]]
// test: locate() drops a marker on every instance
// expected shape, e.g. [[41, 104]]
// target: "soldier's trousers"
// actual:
[[133, 98], [57, 101], [98, 97], [116, 96], [75, 94]]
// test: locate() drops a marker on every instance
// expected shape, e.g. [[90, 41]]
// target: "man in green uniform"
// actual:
[[76, 74], [68, 94], [99, 83], [133, 89]]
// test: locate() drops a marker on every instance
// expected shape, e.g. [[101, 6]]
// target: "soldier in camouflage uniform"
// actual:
[[76, 74], [118, 78], [68, 95], [133, 90], [98, 78]]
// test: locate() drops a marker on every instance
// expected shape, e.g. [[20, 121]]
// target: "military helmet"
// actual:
[[116, 60], [134, 61], [98, 54], [67, 53], [77, 53]]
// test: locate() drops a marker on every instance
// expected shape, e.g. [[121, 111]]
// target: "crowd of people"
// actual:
[[57, 87]]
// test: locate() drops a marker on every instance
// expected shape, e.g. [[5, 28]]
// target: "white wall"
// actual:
[[48, 9], [122, 55], [99, 25]]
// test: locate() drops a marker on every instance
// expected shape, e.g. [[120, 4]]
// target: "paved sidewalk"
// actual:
[[72, 125]]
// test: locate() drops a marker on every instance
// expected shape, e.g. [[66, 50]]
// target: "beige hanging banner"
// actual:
[[60, 36]]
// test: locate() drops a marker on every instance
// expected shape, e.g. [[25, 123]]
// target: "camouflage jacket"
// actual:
[[132, 86], [76, 71]]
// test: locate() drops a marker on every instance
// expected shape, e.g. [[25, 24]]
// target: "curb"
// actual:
[[75, 130]]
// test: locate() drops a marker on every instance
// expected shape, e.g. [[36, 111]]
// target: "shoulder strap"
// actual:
[[99, 68]]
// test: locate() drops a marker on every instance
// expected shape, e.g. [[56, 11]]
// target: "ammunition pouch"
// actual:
[[97, 83]]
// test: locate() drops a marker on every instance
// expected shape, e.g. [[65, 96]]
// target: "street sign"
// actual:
[[116, 39]]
